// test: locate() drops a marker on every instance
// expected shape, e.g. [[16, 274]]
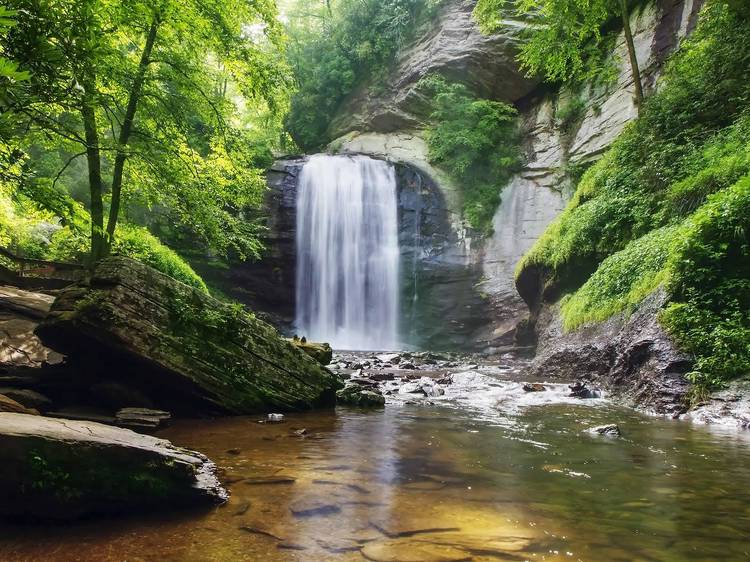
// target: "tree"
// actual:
[[138, 88], [564, 35]]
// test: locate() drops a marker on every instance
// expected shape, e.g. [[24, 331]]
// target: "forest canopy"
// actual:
[[161, 114]]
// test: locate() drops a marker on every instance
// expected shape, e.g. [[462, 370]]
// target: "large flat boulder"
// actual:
[[65, 469], [190, 353]]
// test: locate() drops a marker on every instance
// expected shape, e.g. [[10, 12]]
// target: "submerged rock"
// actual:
[[610, 430], [65, 469], [187, 351]]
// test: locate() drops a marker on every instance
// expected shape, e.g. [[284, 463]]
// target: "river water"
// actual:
[[484, 472]]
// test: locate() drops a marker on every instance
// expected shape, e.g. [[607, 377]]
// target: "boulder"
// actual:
[[142, 419], [65, 469], [355, 395], [188, 352], [321, 352]]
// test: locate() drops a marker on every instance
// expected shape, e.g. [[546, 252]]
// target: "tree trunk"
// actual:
[[126, 130], [631, 53], [93, 158]]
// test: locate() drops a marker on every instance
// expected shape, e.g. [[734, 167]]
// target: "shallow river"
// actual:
[[487, 472]]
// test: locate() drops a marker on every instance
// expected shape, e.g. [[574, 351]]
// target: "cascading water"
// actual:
[[347, 253]]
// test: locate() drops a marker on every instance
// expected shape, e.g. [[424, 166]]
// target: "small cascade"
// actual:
[[347, 288]]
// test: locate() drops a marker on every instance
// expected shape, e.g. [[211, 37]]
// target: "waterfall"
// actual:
[[347, 253]]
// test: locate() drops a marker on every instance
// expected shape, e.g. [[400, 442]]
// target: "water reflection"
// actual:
[[482, 478]]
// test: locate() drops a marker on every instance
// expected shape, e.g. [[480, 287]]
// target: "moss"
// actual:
[[622, 280]]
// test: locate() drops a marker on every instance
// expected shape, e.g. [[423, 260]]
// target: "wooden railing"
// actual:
[[26, 270]]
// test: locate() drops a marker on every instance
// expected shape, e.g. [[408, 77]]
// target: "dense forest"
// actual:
[[562, 185]]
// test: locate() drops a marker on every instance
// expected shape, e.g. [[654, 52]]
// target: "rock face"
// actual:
[[631, 356], [268, 285], [64, 469], [453, 47], [186, 351], [392, 126]]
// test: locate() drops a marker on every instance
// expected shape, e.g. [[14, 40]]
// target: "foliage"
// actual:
[[564, 42], [710, 287], [152, 95], [476, 141], [622, 280], [335, 48], [668, 204]]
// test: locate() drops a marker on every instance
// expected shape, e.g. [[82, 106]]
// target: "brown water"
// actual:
[[486, 474]]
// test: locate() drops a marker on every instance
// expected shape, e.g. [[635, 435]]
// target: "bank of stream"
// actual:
[[485, 471]]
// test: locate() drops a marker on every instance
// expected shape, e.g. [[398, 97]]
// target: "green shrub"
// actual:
[[133, 241], [710, 287], [476, 142]]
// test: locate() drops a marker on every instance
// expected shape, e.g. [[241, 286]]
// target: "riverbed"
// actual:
[[485, 471]]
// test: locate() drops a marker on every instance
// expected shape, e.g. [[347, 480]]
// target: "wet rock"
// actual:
[[163, 335], [534, 387], [448, 379], [631, 356], [579, 390], [407, 366], [28, 398], [234, 451], [379, 377], [313, 508], [10, 405], [609, 430], [355, 395], [142, 419], [392, 358], [64, 469]]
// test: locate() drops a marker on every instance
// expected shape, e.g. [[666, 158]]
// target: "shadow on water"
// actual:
[[510, 479]]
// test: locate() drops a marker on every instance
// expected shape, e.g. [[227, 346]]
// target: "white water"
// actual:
[[347, 253]]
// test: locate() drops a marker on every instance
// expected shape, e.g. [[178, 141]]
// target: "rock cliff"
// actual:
[[555, 149]]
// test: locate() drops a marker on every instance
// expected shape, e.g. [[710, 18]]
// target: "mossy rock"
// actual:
[[190, 353], [66, 469], [321, 352]]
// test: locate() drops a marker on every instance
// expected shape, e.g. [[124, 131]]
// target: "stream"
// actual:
[[485, 471]]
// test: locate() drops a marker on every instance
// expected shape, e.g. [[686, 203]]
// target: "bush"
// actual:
[[710, 287], [476, 142]]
